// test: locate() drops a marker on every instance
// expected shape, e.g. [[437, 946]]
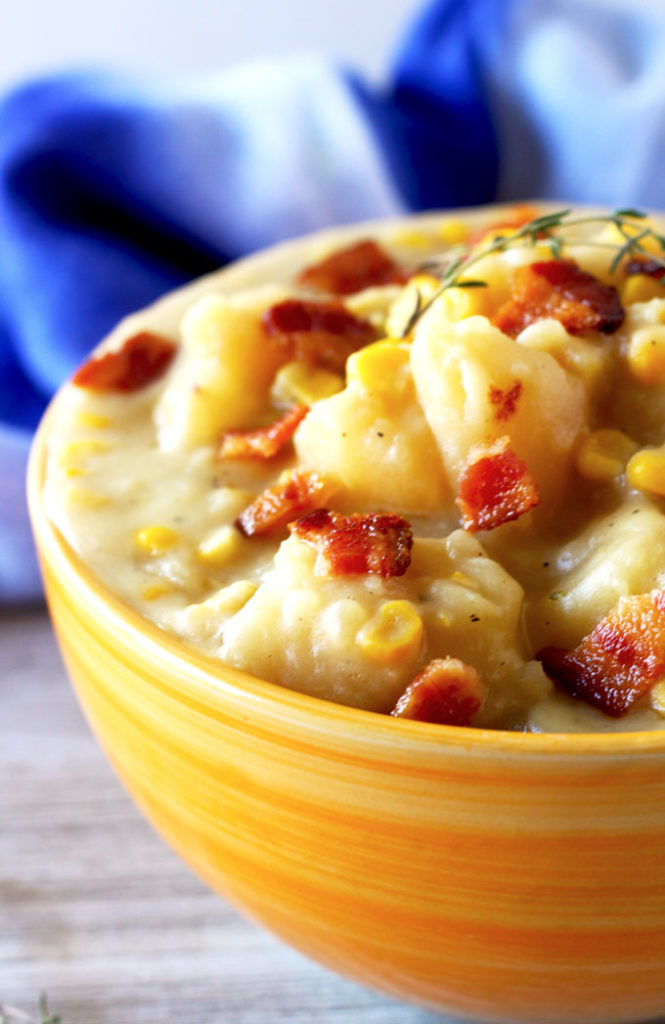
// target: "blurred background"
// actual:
[[204, 35], [192, 35]]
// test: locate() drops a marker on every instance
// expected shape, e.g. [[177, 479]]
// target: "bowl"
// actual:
[[485, 874]]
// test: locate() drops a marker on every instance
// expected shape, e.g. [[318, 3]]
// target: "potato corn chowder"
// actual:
[[419, 471]]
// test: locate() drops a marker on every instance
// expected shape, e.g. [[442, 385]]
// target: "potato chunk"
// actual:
[[638, 396], [359, 640], [476, 385], [372, 439], [222, 377], [609, 560]]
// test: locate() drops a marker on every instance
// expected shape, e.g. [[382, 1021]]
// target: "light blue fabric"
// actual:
[[578, 100], [113, 190]]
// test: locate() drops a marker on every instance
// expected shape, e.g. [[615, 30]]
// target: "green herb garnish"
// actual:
[[549, 229]]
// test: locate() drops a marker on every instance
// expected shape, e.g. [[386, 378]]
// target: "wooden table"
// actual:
[[96, 910]]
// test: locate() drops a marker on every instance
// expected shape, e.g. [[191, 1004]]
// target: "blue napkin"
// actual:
[[115, 189]]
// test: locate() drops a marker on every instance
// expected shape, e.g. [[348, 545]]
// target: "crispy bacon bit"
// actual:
[[264, 442], [374, 543], [495, 487], [272, 511], [142, 360], [514, 218], [349, 270], [561, 290], [619, 661], [447, 691], [642, 265], [323, 334], [505, 402]]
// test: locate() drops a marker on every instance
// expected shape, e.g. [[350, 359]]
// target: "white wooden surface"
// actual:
[[97, 911]]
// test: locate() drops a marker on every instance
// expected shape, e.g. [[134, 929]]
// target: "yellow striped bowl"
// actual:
[[497, 876]]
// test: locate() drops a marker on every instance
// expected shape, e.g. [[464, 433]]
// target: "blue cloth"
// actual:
[[114, 190]]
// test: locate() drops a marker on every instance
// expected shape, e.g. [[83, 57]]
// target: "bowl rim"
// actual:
[[211, 674]]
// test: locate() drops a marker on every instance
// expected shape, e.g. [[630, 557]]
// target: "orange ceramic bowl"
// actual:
[[491, 875]]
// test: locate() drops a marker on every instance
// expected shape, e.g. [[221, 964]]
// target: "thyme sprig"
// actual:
[[10, 1015], [546, 229]]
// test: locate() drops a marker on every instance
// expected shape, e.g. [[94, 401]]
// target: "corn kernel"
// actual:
[[641, 288], [412, 239], [646, 354], [379, 367], [155, 540], [646, 471], [425, 283], [612, 236], [75, 471], [657, 697], [156, 590], [393, 634], [453, 232], [602, 455], [87, 499], [298, 382], [220, 546], [459, 303], [92, 420]]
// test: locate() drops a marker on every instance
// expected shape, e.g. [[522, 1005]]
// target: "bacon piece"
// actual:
[[143, 359], [273, 510], [353, 268], [447, 691], [495, 487], [320, 333], [561, 290], [505, 401], [264, 442], [619, 661], [374, 543], [643, 265], [510, 220]]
